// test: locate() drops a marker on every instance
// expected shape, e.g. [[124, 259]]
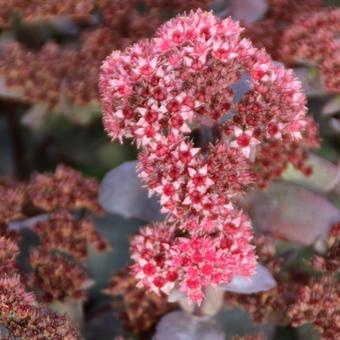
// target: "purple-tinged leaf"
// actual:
[[335, 124], [238, 322], [291, 212], [312, 85], [28, 222], [175, 296], [179, 325], [325, 176], [260, 282], [33, 117], [121, 193], [331, 107], [248, 11], [9, 94]]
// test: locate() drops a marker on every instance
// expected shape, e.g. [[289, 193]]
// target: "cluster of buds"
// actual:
[[108, 24], [162, 91]]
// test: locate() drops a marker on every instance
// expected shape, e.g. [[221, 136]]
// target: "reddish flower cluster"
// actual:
[[160, 92], [300, 297], [12, 198], [318, 303], [63, 232], [24, 318], [313, 39], [165, 261], [35, 10], [298, 32], [8, 254], [20, 314], [56, 277], [57, 269], [66, 188], [120, 23]]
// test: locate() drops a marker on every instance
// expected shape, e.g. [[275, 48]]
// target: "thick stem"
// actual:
[[210, 306], [16, 140]]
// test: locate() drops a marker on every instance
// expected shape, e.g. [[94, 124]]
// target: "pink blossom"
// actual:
[[165, 261], [160, 92]]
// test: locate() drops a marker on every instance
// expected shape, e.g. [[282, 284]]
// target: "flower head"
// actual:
[[174, 95]]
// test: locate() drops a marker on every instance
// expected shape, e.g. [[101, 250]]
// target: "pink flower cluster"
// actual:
[[165, 260], [165, 91]]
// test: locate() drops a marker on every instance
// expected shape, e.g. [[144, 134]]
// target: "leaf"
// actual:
[[238, 322], [28, 222], [325, 176], [10, 94], [248, 11], [179, 325], [116, 230], [104, 326], [312, 85], [33, 117], [121, 193], [331, 107], [291, 212], [260, 282]]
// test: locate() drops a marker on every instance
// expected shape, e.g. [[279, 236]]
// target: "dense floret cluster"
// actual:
[[176, 96]]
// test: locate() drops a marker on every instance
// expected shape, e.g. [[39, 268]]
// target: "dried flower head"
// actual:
[[141, 309], [300, 297], [268, 31]]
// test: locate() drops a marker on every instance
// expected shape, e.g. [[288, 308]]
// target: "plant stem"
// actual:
[[16, 140]]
